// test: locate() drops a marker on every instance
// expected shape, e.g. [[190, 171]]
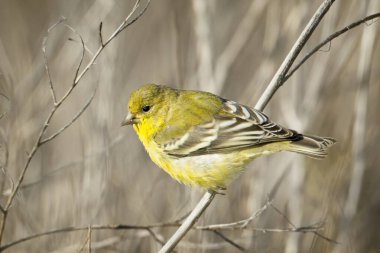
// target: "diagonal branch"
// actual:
[[189, 222], [279, 78], [225, 238], [82, 55], [39, 141], [155, 236], [276, 82], [329, 39], [81, 111], [87, 241]]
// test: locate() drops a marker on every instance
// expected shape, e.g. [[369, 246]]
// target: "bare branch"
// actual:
[[89, 238], [73, 229], [87, 241], [83, 52], [88, 50], [276, 82], [189, 222], [229, 240], [314, 228], [239, 224], [128, 22], [283, 216], [46, 61], [278, 78], [57, 104], [328, 41], [121, 27], [81, 111], [303, 229], [155, 237], [100, 34]]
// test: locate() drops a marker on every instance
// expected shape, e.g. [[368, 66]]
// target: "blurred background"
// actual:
[[97, 172]]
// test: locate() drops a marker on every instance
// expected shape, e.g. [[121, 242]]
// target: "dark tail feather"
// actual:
[[312, 146]]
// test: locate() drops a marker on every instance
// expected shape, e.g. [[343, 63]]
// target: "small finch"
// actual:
[[204, 140]]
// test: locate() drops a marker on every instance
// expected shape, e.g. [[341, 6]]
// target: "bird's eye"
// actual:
[[146, 108]]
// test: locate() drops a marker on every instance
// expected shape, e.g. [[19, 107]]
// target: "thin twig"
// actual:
[[89, 238], [88, 50], [81, 111], [121, 27], [100, 34], [242, 225], [23, 171], [46, 61], [225, 238], [328, 40], [278, 78], [73, 229], [283, 216], [155, 237], [86, 241], [238, 224], [312, 228], [57, 104], [82, 55], [304, 229]]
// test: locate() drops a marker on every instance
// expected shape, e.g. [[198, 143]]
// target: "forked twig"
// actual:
[[80, 112], [279, 78], [57, 103], [242, 225], [329, 39]]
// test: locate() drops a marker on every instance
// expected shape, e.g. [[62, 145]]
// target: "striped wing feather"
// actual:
[[237, 127]]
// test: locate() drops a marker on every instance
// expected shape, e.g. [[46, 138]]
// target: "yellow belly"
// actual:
[[210, 171]]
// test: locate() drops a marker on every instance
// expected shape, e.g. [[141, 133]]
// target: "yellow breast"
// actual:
[[210, 171]]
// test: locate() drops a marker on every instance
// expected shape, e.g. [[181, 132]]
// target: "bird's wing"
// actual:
[[235, 127]]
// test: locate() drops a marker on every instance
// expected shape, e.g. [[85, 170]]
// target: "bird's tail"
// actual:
[[312, 146]]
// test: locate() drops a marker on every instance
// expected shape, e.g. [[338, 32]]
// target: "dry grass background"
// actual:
[[98, 173]]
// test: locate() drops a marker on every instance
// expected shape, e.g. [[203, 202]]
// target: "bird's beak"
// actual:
[[129, 120]]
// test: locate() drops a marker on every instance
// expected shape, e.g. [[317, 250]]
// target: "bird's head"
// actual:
[[146, 102]]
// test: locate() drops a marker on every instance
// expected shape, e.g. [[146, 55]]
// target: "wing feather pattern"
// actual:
[[236, 127]]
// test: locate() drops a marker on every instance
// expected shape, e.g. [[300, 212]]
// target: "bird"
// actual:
[[203, 140]]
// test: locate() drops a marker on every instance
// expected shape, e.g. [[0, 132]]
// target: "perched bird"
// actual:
[[204, 140]]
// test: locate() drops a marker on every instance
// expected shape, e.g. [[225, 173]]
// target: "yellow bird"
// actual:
[[204, 140]]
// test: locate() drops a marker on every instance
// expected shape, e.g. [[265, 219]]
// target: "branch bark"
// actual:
[[57, 103], [279, 78], [189, 222], [276, 82], [238, 225]]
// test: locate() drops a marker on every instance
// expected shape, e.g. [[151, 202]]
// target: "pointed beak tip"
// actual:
[[129, 120], [124, 123]]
